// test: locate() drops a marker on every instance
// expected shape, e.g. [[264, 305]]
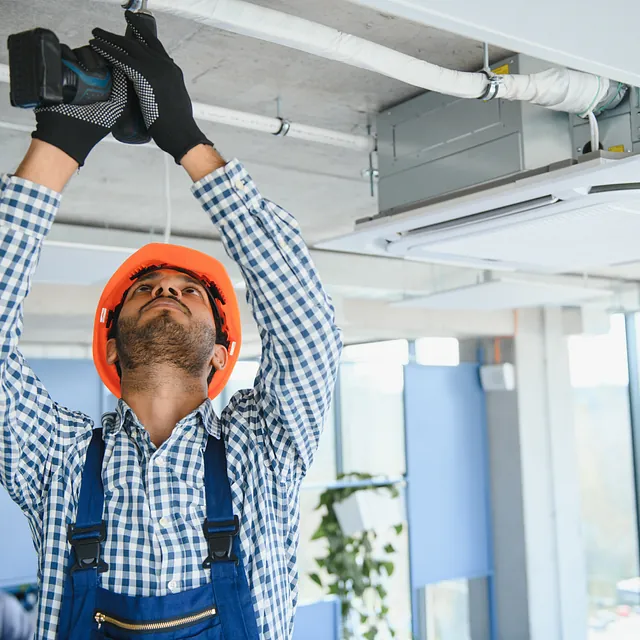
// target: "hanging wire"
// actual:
[[167, 196]]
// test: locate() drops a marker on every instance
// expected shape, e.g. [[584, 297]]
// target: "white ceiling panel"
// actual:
[[505, 293]]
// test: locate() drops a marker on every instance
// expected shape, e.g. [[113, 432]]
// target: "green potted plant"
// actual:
[[356, 566]]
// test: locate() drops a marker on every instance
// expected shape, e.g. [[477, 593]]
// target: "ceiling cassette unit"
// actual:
[[565, 217], [503, 185]]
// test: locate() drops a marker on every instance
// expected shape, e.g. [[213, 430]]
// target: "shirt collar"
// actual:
[[114, 421]]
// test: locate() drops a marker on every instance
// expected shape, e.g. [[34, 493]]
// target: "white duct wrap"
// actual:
[[558, 89]]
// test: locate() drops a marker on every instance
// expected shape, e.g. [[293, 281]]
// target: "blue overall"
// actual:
[[220, 610]]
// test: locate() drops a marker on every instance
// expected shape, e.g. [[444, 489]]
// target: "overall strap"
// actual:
[[85, 536], [221, 527], [89, 529]]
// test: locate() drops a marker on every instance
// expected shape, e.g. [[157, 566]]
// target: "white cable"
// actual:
[[167, 197], [558, 89], [595, 132]]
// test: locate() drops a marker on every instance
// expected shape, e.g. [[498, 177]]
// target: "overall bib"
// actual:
[[220, 610]]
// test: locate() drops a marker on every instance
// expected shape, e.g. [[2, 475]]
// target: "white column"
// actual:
[[556, 576]]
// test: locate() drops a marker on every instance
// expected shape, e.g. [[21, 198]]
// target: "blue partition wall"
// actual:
[[447, 476], [76, 385], [318, 621]]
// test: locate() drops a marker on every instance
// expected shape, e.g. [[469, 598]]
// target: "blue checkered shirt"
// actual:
[[154, 497]]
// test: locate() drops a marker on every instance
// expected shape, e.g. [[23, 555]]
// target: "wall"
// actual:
[[538, 546]]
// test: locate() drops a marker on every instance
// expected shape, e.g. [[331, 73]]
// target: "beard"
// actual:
[[162, 340]]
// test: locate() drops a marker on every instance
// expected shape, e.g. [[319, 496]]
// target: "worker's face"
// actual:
[[166, 318]]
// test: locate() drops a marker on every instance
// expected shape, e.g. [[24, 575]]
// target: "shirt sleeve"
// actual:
[[301, 344], [27, 414]]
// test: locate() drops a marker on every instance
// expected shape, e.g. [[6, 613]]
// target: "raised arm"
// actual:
[[29, 200], [27, 415], [301, 343]]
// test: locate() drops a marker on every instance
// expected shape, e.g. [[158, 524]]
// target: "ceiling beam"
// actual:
[[63, 314], [546, 29], [345, 274]]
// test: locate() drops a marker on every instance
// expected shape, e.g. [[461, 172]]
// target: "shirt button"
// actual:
[[173, 586], [160, 462], [239, 185], [165, 521]]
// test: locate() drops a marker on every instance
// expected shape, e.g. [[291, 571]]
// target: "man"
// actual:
[[169, 522], [15, 623]]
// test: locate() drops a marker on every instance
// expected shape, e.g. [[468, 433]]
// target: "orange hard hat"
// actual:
[[169, 256]]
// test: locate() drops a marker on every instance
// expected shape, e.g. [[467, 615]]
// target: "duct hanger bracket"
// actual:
[[284, 127], [495, 82], [134, 5]]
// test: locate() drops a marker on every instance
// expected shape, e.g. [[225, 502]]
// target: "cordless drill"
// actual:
[[44, 72]]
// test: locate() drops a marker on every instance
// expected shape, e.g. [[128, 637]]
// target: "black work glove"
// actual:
[[76, 129], [159, 83]]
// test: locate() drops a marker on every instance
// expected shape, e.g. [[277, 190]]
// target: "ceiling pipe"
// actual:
[[558, 89], [265, 124]]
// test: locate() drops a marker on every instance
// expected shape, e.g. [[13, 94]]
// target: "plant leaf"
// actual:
[[398, 528], [316, 578], [389, 548], [320, 533], [388, 566], [370, 634]]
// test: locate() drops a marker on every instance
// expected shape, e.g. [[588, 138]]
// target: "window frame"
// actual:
[[633, 363]]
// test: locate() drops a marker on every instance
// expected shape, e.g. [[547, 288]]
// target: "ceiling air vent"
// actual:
[[557, 219]]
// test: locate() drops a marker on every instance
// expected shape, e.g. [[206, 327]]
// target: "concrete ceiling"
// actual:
[[123, 187], [321, 185]]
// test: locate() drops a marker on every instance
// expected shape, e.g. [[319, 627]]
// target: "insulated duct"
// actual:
[[558, 89]]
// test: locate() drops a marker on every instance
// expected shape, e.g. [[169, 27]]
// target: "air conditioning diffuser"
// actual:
[[570, 216]]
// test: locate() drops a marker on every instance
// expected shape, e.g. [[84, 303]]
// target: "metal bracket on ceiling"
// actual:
[[371, 172], [134, 5], [495, 81], [285, 124], [284, 127]]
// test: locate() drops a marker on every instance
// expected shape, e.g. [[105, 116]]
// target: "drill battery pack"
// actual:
[[36, 75]]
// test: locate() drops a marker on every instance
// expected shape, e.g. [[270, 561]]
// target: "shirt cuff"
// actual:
[[29, 207], [224, 187]]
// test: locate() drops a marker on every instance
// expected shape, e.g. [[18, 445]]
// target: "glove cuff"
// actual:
[[76, 140], [179, 141], [194, 143]]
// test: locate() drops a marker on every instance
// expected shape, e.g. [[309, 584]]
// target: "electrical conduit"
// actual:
[[255, 122]]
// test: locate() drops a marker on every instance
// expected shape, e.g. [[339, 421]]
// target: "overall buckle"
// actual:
[[86, 544], [220, 543]]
